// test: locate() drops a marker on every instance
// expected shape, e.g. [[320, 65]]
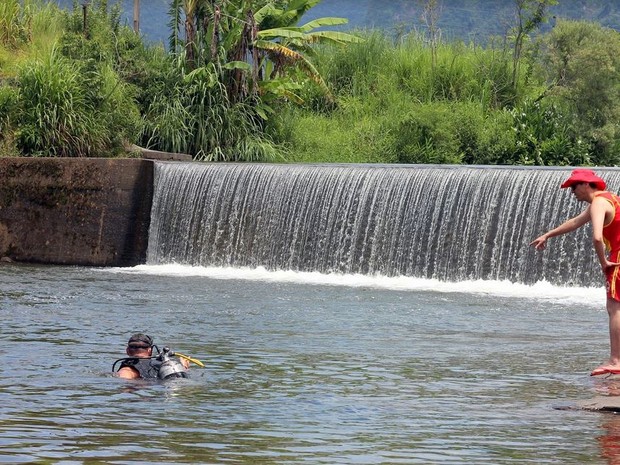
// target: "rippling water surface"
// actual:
[[298, 371]]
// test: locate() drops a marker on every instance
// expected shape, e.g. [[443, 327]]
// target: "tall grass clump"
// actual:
[[458, 72], [194, 115], [353, 70], [56, 117], [27, 28], [97, 37], [46, 22], [13, 24], [346, 135], [13, 34], [70, 110], [66, 97]]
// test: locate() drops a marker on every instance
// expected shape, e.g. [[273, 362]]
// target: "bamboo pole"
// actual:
[[85, 19], [136, 16]]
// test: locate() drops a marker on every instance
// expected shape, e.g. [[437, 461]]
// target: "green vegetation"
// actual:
[[63, 95], [394, 108], [230, 63], [243, 80]]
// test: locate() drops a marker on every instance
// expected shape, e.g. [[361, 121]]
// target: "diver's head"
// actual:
[[140, 345]]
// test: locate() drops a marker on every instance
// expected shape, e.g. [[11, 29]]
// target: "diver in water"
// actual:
[[141, 364]]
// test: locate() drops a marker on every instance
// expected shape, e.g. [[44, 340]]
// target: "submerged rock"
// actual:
[[601, 404]]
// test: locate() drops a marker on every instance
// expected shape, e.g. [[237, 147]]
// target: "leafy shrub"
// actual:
[[496, 140], [431, 134], [580, 62], [546, 136]]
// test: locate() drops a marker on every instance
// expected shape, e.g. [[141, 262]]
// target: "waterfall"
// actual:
[[452, 223]]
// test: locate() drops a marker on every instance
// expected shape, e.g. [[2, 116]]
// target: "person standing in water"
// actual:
[[603, 212]]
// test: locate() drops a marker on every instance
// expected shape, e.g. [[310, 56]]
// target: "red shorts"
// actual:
[[613, 283]]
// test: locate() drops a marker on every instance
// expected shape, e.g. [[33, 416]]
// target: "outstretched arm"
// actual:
[[566, 227]]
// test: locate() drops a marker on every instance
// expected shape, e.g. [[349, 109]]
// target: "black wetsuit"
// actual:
[[147, 367]]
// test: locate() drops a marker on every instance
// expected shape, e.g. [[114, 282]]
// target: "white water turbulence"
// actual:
[[444, 223], [541, 291]]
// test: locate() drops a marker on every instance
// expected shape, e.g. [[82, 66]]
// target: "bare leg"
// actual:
[[613, 310]]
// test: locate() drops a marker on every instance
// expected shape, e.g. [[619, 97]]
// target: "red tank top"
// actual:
[[611, 230]]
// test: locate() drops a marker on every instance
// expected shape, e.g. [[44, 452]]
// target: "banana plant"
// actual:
[[286, 46], [258, 52]]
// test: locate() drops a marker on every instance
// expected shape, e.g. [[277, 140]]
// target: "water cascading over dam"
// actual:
[[451, 223]]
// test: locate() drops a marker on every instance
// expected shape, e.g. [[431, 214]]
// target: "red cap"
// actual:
[[581, 175]]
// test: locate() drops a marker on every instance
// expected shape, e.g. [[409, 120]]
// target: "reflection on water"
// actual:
[[296, 373], [610, 440]]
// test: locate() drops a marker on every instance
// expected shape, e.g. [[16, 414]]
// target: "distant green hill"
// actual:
[[464, 19]]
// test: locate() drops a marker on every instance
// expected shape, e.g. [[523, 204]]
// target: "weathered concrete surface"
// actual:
[[601, 403], [75, 211]]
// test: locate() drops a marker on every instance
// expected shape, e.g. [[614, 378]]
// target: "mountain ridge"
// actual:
[[473, 20]]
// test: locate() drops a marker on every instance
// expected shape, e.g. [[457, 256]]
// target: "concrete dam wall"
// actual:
[[75, 211]]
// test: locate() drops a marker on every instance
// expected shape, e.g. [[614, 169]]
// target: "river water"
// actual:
[[300, 368]]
